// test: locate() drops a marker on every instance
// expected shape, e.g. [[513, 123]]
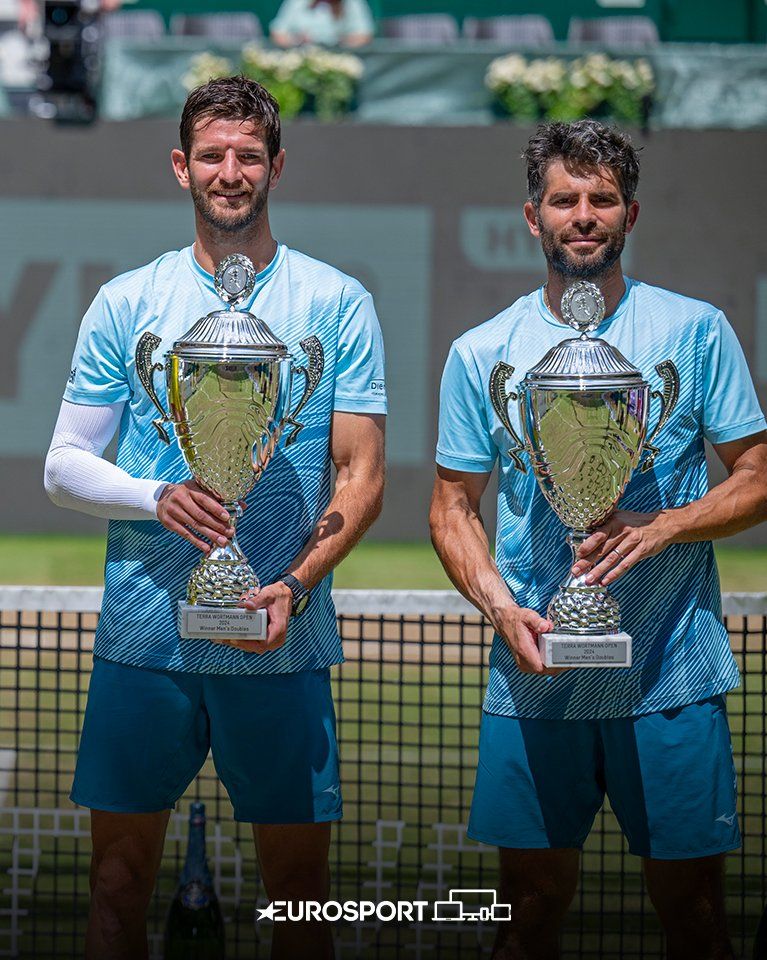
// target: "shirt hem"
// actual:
[[100, 398], [350, 405], [646, 707], [461, 463], [736, 432], [156, 663]]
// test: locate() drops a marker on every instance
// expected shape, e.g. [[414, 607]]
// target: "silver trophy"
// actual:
[[228, 383], [584, 414]]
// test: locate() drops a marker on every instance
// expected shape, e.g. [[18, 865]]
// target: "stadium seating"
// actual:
[[218, 26], [614, 31], [677, 21], [133, 25], [523, 31], [421, 28]]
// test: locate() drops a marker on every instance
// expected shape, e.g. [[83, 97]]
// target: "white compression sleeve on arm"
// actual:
[[77, 476]]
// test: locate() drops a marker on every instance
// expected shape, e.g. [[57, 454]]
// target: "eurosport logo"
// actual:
[[468, 906]]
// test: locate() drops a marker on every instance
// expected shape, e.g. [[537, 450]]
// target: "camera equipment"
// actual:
[[68, 83]]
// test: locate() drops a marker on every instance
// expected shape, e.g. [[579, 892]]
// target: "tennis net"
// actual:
[[408, 702]]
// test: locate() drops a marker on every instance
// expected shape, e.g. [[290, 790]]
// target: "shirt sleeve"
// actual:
[[99, 373], [465, 441], [358, 18], [730, 406], [360, 384], [289, 17], [78, 478]]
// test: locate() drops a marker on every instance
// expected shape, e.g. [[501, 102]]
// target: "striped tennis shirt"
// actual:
[[147, 566], [670, 603]]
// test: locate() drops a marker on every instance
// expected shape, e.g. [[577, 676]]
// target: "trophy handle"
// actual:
[[146, 346], [499, 397], [668, 400], [312, 372]]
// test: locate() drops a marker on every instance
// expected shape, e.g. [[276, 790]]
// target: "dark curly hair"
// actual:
[[585, 143], [232, 98]]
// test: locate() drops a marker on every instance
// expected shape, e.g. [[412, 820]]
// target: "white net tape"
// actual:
[[348, 602]]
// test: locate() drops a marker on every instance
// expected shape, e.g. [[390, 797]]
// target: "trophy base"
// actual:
[[220, 624], [589, 650]]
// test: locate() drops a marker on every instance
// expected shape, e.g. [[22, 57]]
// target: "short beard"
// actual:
[[233, 224], [561, 261]]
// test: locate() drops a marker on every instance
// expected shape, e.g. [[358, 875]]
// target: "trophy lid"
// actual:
[[585, 359], [231, 334], [583, 362]]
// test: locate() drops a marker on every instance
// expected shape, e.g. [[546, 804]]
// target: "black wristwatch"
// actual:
[[300, 593]]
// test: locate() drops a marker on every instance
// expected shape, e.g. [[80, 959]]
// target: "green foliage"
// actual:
[[288, 95], [206, 66], [303, 80]]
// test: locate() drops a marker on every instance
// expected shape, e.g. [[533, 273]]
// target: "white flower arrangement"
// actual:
[[326, 61], [301, 77], [553, 88], [545, 76], [204, 67], [282, 63]]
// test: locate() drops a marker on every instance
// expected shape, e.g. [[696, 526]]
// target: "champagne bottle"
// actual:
[[194, 929], [760, 941]]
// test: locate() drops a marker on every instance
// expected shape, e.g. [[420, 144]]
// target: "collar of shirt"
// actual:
[[262, 277], [619, 311]]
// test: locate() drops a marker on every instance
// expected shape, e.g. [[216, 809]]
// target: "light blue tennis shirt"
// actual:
[[670, 603], [319, 23], [147, 566]]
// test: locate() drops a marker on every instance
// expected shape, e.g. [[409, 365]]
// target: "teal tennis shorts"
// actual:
[[669, 776], [147, 733]]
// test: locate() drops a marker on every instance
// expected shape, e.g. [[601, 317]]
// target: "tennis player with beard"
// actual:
[[654, 737], [158, 704]]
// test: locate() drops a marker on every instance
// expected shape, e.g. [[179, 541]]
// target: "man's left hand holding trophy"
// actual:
[[229, 387]]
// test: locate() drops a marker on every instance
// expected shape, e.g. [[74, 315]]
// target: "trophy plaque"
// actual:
[[228, 382], [584, 412]]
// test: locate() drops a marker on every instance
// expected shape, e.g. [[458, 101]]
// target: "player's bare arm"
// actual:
[[459, 537], [357, 450], [736, 504]]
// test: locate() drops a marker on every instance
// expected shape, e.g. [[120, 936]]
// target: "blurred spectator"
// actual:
[[17, 69], [15, 14], [348, 23], [29, 12]]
